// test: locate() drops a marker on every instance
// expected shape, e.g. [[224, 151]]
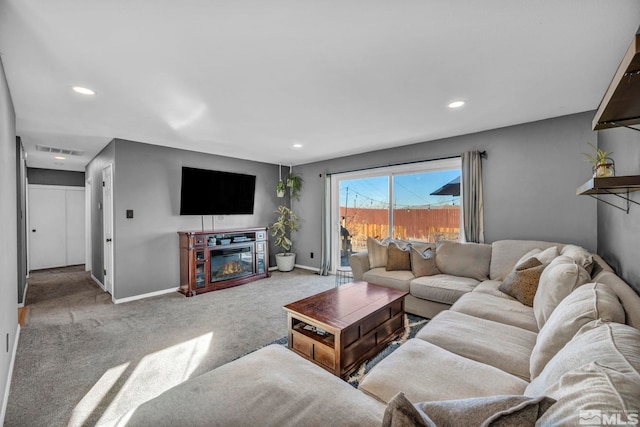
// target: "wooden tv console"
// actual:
[[218, 259]]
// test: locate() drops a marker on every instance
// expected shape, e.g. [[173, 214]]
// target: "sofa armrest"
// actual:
[[359, 263]]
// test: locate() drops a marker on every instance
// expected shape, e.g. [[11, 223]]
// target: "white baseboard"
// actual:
[[3, 410], [306, 267], [95, 279], [149, 295]]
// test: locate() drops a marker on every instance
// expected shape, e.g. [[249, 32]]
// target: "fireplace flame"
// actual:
[[232, 267]]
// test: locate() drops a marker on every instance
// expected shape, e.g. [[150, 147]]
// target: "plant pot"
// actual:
[[286, 261], [280, 193], [604, 170]]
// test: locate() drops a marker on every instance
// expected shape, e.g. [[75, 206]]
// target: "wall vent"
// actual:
[[56, 150]]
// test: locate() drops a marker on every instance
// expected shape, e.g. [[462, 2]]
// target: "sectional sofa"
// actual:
[[569, 357]]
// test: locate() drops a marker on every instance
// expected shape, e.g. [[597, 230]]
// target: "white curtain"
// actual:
[[472, 203], [325, 238]]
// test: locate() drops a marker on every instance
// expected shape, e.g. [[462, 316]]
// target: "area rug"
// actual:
[[413, 325]]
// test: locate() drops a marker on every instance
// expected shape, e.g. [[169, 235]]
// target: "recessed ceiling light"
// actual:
[[83, 90], [59, 158], [457, 104], [297, 145]]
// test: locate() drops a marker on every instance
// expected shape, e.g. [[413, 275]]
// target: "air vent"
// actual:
[[55, 150]]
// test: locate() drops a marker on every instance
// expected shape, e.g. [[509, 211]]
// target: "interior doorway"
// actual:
[[107, 220]]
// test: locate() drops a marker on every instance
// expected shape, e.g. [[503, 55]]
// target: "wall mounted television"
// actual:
[[209, 192]]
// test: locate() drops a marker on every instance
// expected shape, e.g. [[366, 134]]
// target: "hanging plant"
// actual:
[[280, 186], [294, 182]]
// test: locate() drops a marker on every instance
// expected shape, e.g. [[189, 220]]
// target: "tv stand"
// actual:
[[218, 259]]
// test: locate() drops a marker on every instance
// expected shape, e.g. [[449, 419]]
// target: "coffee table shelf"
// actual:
[[357, 320]]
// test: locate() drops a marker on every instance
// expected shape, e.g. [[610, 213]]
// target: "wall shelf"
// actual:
[[619, 186], [620, 105]]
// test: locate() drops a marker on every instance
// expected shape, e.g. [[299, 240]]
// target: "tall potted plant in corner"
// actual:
[[286, 223]]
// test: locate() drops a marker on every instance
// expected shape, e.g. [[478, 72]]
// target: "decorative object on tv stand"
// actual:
[[603, 165], [286, 223]]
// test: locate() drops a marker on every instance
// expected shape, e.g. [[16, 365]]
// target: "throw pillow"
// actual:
[[587, 303], [377, 252], [557, 281], [522, 282], [479, 411], [397, 258], [580, 255], [423, 263]]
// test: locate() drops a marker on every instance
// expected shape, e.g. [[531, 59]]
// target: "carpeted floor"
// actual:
[[82, 360]]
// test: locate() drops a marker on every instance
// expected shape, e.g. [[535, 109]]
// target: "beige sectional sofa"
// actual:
[[578, 344]]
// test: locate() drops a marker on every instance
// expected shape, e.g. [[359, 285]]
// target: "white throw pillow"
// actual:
[[545, 257], [580, 255], [585, 304], [377, 252], [557, 281]]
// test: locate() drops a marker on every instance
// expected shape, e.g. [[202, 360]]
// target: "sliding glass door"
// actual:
[[419, 202]]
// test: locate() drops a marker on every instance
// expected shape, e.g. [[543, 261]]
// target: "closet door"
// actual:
[[56, 226], [47, 227]]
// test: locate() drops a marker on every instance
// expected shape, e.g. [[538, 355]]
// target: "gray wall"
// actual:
[[530, 179], [619, 232], [147, 179], [8, 237], [55, 177]]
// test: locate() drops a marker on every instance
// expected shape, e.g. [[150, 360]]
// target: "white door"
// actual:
[[75, 218], [47, 227], [107, 220], [56, 226]]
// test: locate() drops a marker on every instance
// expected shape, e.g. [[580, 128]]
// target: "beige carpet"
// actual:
[[82, 360]]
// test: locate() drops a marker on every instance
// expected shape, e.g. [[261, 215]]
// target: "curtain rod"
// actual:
[[482, 154]]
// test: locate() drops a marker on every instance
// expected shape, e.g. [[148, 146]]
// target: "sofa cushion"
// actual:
[[580, 255], [522, 282], [588, 302], [557, 281], [492, 287], [477, 411], [502, 310], [504, 346], [377, 252], [442, 287], [593, 387], [398, 258], [391, 279], [463, 259], [613, 345], [423, 263], [505, 254], [270, 387], [426, 372]]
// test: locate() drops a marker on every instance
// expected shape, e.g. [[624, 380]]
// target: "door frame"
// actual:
[[109, 276]]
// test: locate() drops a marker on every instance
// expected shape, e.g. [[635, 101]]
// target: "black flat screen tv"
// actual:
[[208, 192]]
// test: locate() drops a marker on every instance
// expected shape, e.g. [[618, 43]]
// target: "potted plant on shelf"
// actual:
[[286, 223], [602, 164]]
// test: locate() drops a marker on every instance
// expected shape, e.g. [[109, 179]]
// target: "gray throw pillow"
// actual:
[[495, 411], [423, 263], [492, 411], [522, 282]]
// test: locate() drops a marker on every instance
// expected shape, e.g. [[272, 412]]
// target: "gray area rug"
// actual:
[[82, 360]]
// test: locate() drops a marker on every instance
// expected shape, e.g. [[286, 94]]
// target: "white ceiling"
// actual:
[[249, 78]]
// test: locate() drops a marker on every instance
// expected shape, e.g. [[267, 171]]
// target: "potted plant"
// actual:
[[286, 223], [280, 188], [602, 164], [294, 182]]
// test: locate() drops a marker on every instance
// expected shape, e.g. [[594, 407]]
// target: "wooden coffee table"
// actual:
[[340, 328]]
